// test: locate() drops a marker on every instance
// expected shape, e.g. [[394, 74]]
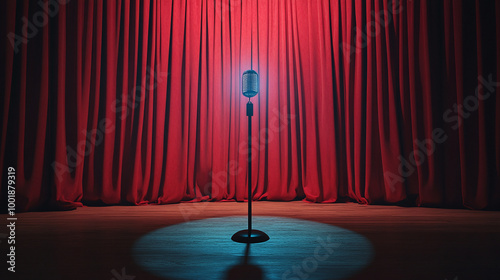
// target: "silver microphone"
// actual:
[[250, 83]]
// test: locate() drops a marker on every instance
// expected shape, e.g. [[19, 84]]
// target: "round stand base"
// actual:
[[256, 236]]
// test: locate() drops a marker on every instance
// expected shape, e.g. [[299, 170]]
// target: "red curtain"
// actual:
[[133, 102]]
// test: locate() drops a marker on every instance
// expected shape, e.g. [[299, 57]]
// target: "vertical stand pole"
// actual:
[[249, 114], [249, 235]]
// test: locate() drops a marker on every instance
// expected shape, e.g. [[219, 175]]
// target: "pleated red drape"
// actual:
[[133, 102]]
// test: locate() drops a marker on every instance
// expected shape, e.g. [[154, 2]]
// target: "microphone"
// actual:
[[250, 88], [250, 83]]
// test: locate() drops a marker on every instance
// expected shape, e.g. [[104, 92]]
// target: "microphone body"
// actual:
[[250, 83]]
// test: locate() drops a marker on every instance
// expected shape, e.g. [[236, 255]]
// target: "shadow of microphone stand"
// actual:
[[245, 270]]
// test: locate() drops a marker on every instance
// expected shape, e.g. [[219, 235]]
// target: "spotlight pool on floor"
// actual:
[[297, 249]]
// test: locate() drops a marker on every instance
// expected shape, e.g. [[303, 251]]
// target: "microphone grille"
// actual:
[[250, 83]]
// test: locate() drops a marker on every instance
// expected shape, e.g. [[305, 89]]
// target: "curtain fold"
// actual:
[[136, 102]]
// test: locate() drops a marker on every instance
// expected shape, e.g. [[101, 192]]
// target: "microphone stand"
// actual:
[[249, 235]]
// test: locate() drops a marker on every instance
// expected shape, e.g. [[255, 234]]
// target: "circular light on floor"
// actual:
[[297, 250]]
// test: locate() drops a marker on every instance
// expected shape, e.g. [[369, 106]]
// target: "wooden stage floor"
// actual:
[[409, 243]]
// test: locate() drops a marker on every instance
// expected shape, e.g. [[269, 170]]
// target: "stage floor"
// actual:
[[407, 243]]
